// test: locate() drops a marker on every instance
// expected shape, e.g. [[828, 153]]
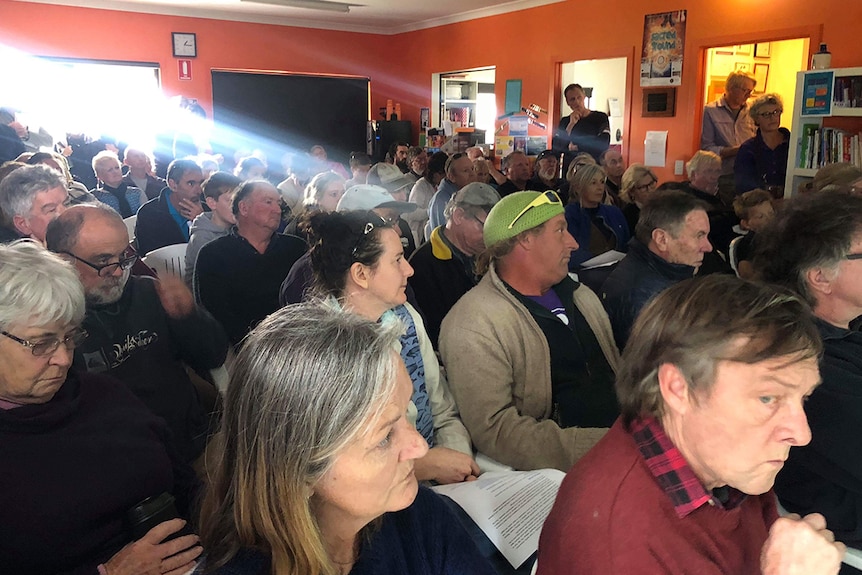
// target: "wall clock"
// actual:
[[185, 45]]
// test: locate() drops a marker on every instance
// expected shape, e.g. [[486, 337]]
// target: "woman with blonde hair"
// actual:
[[638, 183], [318, 475], [596, 226], [762, 160], [321, 195]]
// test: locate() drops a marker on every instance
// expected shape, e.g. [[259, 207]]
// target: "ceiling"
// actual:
[[370, 16]]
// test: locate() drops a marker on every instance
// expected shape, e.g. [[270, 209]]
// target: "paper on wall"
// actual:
[[655, 146]]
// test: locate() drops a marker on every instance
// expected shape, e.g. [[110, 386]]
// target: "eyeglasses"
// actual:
[[475, 217], [548, 197], [646, 186], [49, 346], [853, 257], [106, 270], [771, 114]]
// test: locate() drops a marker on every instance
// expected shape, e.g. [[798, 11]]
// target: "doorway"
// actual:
[[773, 64], [465, 99], [604, 82]]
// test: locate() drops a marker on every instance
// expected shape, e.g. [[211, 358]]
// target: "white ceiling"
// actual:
[[371, 16]]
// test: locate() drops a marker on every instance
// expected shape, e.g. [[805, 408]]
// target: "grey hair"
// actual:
[[38, 287], [700, 159], [104, 155], [315, 188], [737, 79], [19, 188], [63, 231], [764, 100], [307, 381]]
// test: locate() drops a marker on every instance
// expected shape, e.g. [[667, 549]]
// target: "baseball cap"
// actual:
[[388, 176], [367, 197], [476, 194], [547, 154], [520, 212]]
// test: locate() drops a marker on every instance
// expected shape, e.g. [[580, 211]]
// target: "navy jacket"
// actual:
[[156, 228], [636, 280], [825, 476], [579, 224]]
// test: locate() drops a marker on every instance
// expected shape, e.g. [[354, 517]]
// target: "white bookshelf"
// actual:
[[795, 175]]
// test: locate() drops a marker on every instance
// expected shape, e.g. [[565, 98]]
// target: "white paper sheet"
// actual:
[[510, 507], [655, 146]]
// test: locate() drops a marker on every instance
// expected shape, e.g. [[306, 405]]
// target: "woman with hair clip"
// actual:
[[358, 262], [318, 475]]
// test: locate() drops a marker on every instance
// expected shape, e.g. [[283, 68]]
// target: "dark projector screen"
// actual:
[[280, 113]]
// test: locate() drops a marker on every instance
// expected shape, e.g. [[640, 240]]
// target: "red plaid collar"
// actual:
[[672, 471]]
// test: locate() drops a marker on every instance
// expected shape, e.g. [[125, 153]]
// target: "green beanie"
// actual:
[[501, 215]]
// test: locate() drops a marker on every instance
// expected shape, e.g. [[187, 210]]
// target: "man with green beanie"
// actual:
[[529, 352]]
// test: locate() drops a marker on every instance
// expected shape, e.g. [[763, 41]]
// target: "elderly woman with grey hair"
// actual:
[[81, 454], [318, 469], [762, 160]]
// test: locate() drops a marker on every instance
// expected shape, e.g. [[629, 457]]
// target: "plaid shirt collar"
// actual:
[[673, 473]]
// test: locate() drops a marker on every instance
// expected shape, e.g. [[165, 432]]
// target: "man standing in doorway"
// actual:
[[726, 125]]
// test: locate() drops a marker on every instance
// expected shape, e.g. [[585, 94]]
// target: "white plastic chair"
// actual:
[[731, 253], [130, 226], [170, 260]]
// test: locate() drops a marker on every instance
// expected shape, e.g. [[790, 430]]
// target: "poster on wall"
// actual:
[[817, 93], [663, 46]]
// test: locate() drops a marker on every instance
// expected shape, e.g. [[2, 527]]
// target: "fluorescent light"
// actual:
[[308, 4]]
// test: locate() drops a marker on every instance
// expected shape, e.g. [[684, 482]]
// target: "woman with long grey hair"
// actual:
[[317, 471]]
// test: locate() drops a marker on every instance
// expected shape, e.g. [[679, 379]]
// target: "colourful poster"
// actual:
[[663, 47], [817, 93]]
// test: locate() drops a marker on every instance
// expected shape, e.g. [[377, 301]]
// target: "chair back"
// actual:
[[731, 253], [130, 226], [170, 260]]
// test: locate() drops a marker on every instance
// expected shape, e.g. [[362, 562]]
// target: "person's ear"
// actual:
[[820, 280], [360, 274], [22, 225], [212, 203], [674, 389], [661, 238]]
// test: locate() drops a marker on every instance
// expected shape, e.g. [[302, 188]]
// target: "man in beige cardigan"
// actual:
[[529, 352]]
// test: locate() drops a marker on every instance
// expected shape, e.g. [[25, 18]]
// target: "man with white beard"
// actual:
[[141, 331], [546, 176]]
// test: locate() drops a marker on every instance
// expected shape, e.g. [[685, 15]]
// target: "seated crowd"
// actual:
[[416, 324]]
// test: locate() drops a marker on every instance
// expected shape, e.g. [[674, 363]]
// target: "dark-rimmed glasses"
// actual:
[[548, 197], [105, 270], [771, 114], [853, 257], [646, 186], [48, 346]]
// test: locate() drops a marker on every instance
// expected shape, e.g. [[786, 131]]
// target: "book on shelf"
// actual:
[[821, 146], [847, 92]]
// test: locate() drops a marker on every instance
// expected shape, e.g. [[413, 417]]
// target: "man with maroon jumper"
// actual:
[[711, 403]]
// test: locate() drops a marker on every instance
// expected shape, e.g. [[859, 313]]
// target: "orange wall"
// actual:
[[62, 31], [524, 45]]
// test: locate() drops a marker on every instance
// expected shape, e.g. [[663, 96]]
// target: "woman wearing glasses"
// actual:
[[762, 160], [358, 262], [78, 450], [638, 184]]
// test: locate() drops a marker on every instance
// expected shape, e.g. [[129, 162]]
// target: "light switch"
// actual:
[[678, 167]]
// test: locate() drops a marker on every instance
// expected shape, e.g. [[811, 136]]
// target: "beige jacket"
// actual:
[[499, 369]]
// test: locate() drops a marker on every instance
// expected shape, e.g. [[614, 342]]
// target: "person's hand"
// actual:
[[572, 147], [149, 556], [445, 465], [801, 547], [190, 209], [176, 298]]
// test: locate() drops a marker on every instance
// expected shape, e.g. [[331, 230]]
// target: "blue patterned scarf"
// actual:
[[412, 357]]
